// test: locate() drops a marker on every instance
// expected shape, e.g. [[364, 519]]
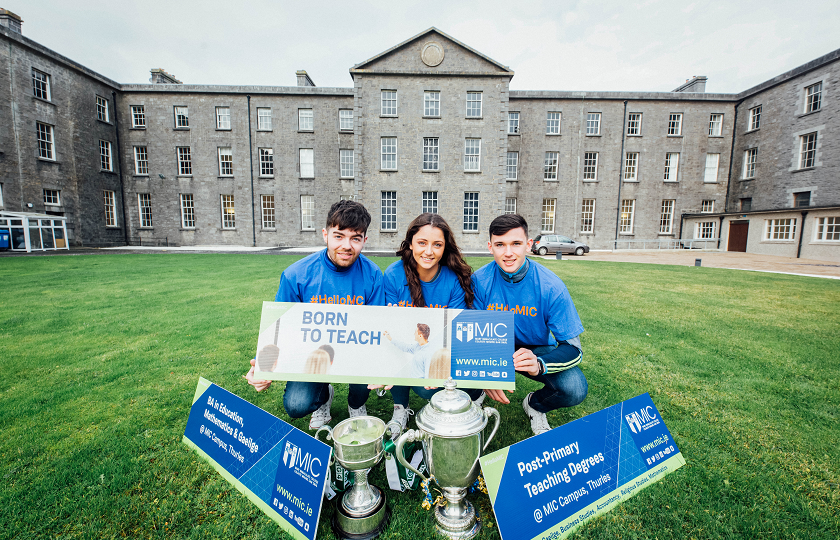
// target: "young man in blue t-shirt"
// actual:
[[546, 322], [339, 271]]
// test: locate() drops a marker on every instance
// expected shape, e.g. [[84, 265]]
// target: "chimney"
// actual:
[[303, 78], [10, 20], [695, 84], [160, 76]]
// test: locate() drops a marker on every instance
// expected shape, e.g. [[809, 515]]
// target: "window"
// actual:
[[750, 159], [264, 119], [182, 118], [105, 156], [222, 117], [755, 118], [512, 165], [674, 124], [345, 158], [705, 230], [707, 207], [547, 221], [187, 211], [634, 124], [307, 212], [138, 116], [828, 228], [802, 199], [593, 123], [666, 217], [266, 161], [388, 102], [780, 229], [144, 201], [431, 147], [346, 198], [430, 202], [807, 150], [813, 94], [711, 174], [473, 104], [110, 209], [102, 112], [672, 167], [590, 166], [225, 161], [550, 165], [345, 119], [389, 211], [552, 123], [715, 125], [184, 161], [40, 84], [228, 212], [306, 120], [52, 197], [470, 211], [141, 161], [510, 205], [587, 215], [745, 204], [267, 206], [307, 163], [513, 122], [431, 103], [472, 155], [388, 147], [46, 146], [631, 167], [628, 207]]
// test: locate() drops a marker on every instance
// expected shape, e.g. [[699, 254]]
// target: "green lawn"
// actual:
[[101, 354]]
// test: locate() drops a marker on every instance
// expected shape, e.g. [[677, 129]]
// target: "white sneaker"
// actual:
[[539, 422], [322, 415], [400, 416], [361, 411], [480, 399]]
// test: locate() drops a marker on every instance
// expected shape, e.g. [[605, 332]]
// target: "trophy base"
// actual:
[[365, 527], [461, 526]]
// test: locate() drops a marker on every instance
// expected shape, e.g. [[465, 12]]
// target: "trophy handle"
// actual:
[[488, 412], [409, 436], [397, 424], [326, 428]]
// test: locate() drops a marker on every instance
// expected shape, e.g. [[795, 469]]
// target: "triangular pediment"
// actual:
[[431, 52]]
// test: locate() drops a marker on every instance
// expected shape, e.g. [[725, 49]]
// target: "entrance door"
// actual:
[[738, 231]]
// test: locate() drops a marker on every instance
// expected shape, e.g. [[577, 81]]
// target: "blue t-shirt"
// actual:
[[444, 291], [315, 279], [543, 310]]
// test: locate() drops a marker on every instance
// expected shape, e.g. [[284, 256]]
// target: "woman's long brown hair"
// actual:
[[452, 259]]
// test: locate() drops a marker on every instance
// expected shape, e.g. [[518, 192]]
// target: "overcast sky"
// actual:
[[652, 45]]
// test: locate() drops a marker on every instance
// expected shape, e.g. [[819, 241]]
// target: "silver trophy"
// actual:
[[358, 445], [451, 428]]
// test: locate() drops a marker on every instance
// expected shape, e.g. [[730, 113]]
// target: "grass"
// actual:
[[100, 357]]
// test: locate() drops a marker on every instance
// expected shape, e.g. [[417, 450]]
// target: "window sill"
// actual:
[[306, 178], [349, 131], [266, 177], [711, 182], [803, 169], [42, 100], [307, 230], [513, 134], [670, 181], [550, 180], [430, 171], [270, 229], [187, 229], [674, 136], [626, 234], [306, 131], [746, 179], [140, 176], [473, 118], [184, 176], [224, 129], [104, 122], [809, 113], [825, 242], [552, 134], [666, 234], [765, 241], [388, 170], [631, 181], [53, 207], [388, 116], [181, 129], [469, 232], [511, 179], [589, 181], [388, 231], [472, 172], [107, 172], [264, 130], [47, 160], [751, 131], [593, 135], [146, 228], [226, 177], [437, 117], [716, 136], [112, 227], [137, 128], [629, 135]]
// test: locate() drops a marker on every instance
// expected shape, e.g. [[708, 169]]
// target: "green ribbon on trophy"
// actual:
[[400, 478]]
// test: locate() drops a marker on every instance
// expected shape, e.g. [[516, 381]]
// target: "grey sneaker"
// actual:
[[361, 411], [539, 422], [480, 399], [322, 415], [400, 416]]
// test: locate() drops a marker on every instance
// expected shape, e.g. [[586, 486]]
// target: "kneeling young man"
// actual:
[[546, 321], [340, 271]]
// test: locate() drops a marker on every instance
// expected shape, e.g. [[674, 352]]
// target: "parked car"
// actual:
[[545, 243]]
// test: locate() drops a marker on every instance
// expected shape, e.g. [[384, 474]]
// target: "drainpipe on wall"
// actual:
[[720, 232], [620, 176], [801, 233], [251, 164], [119, 164], [731, 156], [682, 218]]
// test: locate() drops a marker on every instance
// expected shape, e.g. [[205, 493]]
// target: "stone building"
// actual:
[[428, 125]]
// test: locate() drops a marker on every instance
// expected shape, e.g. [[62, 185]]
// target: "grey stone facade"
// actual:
[[449, 68]]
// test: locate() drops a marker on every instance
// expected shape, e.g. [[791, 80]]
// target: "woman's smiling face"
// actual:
[[427, 248]]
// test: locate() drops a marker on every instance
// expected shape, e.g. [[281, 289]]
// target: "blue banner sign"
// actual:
[[555, 482], [278, 467]]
